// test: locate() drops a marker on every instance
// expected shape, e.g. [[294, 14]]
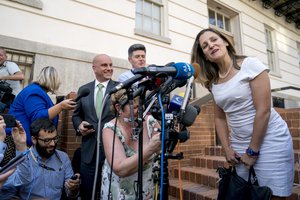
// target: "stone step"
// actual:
[[172, 198], [214, 151], [192, 191], [296, 193], [210, 162], [203, 176], [209, 177]]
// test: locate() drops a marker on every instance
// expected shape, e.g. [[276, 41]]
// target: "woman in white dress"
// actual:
[[242, 97]]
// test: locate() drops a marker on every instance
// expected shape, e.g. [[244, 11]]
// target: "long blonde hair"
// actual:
[[49, 79]]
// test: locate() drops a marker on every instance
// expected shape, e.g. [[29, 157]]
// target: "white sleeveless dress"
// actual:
[[275, 165]]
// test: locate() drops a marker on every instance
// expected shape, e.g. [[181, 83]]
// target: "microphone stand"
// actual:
[[140, 134], [130, 101]]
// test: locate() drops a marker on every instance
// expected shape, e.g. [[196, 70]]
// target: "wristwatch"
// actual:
[[251, 152]]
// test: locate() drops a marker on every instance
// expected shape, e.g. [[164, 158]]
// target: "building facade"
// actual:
[[67, 34]]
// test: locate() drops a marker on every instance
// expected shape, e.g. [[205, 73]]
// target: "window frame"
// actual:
[[234, 35], [163, 37], [271, 50]]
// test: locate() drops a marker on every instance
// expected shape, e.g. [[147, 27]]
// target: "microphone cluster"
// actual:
[[163, 80]]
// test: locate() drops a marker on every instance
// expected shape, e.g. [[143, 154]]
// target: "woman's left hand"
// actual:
[[68, 104], [248, 161]]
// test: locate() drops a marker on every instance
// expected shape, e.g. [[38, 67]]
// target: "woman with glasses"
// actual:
[[122, 152], [33, 102]]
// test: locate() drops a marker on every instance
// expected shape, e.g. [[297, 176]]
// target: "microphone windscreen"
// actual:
[[184, 70], [175, 103], [189, 116], [83, 93]]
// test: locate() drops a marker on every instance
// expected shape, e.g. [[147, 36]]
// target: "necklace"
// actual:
[[227, 73]]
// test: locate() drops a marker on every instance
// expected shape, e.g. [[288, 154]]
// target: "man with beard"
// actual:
[[51, 169]]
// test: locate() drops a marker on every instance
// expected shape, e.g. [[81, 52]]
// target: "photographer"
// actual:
[[10, 77]]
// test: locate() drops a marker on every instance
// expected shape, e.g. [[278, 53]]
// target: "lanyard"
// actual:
[[43, 165]]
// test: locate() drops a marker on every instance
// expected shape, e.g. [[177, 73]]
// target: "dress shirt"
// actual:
[[47, 178]]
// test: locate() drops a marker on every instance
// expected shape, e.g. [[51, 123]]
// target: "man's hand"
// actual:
[[72, 186], [85, 131], [19, 136]]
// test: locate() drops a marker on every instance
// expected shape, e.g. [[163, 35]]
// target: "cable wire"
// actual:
[[162, 146]]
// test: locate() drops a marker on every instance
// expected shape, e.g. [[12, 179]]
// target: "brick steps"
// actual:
[[192, 191], [296, 155], [203, 176], [199, 179], [296, 143], [210, 162]]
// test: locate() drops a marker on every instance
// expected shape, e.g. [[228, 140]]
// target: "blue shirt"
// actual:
[[45, 179], [2, 150], [30, 104]]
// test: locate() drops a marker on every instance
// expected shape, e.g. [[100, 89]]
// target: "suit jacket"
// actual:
[[85, 111]]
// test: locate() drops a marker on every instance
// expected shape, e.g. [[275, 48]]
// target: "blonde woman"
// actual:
[[33, 101]]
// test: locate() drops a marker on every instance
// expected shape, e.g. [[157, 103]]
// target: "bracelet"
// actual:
[[251, 152]]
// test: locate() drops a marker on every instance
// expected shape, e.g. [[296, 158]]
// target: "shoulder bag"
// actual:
[[231, 186]]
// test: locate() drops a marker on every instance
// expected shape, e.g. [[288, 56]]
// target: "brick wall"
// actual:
[[202, 132], [68, 142]]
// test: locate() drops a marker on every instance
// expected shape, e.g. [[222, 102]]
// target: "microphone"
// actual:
[[189, 86], [169, 85], [181, 70], [83, 93], [190, 114], [126, 84]]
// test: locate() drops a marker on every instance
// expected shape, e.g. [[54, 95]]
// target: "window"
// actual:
[[219, 20], [150, 19], [227, 21], [270, 49], [24, 61], [148, 16], [278, 102]]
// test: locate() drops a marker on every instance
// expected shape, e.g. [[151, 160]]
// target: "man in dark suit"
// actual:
[[85, 113]]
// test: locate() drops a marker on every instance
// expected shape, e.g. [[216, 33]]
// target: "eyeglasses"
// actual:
[[47, 141]]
